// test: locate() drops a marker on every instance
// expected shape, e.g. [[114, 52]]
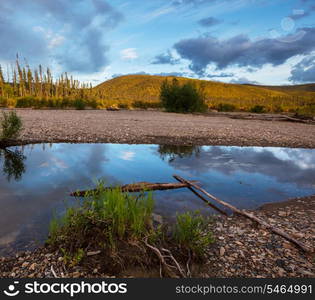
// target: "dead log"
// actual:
[[134, 188], [249, 216], [291, 119]]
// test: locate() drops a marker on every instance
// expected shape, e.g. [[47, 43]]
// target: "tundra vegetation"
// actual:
[[120, 230], [21, 86], [185, 98], [11, 126]]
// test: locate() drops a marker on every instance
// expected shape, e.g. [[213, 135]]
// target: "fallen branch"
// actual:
[[203, 198], [135, 187], [249, 216]]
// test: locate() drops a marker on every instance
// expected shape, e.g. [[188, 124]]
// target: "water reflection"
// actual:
[[13, 163], [245, 176], [171, 152], [285, 165]]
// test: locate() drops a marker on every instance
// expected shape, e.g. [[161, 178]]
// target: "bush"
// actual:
[[182, 98], [123, 106], [146, 105], [3, 102], [277, 108], [191, 232], [79, 104], [226, 107], [24, 102], [306, 110], [258, 109], [11, 125]]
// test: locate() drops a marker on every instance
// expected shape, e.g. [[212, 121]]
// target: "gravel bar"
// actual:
[[155, 127]]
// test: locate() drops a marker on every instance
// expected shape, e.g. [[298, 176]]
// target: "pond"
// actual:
[[35, 180]]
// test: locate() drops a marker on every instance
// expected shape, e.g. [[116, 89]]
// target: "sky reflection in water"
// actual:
[[35, 180]]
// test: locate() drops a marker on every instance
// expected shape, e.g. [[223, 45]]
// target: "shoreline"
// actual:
[[155, 127], [241, 249]]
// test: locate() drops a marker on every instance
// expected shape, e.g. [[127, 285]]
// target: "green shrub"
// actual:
[[24, 102], [191, 232], [146, 105], [123, 105], [182, 98], [226, 107], [3, 102], [11, 125], [79, 104], [258, 109], [306, 110], [277, 108]]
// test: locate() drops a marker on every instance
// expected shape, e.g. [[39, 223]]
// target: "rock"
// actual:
[[298, 235], [25, 264], [307, 273], [281, 272], [222, 251], [33, 266], [157, 218], [280, 263], [91, 253], [76, 274], [288, 246]]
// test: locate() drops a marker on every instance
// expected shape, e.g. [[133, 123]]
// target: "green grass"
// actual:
[[192, 232], [120, 225]]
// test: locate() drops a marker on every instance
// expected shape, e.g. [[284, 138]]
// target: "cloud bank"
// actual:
[[241, 51], [70, 32]]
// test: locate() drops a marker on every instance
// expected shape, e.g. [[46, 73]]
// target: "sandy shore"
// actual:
[[146, 127]]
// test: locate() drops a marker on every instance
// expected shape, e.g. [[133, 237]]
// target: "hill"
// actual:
[[310, 87], [145, 88]]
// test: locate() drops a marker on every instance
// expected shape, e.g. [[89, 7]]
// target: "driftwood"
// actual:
[[269, 117], [248, 215], [136, 187]]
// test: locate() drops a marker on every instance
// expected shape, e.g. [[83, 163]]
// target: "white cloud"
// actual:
[[127, 155], [53, 39], [56, 41], [128, 53]]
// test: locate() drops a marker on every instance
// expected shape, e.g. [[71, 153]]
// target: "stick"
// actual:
[[203, 198], [53, 271], [249, 216], [135, 187]]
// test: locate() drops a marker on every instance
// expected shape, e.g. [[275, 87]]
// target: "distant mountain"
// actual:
[[146, 88]]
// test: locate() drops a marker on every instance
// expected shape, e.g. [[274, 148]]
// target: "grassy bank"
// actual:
[[118, 231]]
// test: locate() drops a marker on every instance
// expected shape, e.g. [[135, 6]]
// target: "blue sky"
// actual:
[[257, 41]]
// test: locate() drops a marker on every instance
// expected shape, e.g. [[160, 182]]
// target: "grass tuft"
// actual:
[[119, 225]]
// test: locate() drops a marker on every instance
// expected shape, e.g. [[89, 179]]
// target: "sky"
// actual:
[[239, 41]]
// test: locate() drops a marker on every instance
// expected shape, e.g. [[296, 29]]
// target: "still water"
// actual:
[[35, 180]]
